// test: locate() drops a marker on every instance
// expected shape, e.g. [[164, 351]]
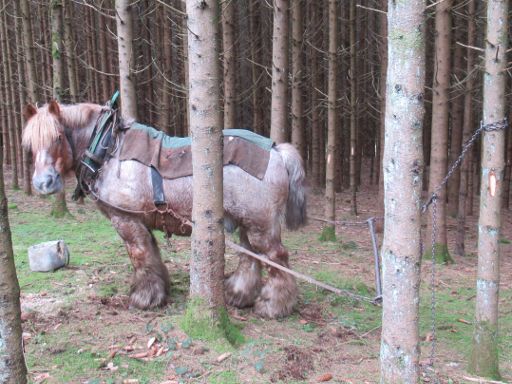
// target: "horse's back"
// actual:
[[248, 200]]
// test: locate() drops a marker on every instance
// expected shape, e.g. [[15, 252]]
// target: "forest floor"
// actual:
[[78, 328]]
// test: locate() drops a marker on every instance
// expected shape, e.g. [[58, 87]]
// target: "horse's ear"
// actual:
[[54, 108], [29, 111]]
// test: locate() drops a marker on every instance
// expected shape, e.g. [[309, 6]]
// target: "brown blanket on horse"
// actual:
[[145, 146]]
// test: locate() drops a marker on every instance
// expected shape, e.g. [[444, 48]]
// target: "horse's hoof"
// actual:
[[151, 292], [240, 291], [277, 298]]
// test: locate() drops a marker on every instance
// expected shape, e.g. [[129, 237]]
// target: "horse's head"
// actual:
[[53, 156]]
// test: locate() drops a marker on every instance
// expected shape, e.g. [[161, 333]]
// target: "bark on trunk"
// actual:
[[12, 362], [353, 109], [28, 47], [9, 98], [103, 58], [297, 78], [207, 260], [22, 94], [255, 41], [59, 207], [465, 168], [126, 58], [439, 131], [383, 31], [402, 171], [330, 168], [164, 120], [316, 128], [70, 54], [279, 108], [228, 42], [484, 357], [456, 111]]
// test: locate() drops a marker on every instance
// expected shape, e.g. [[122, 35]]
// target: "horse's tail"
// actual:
[[296, 205]]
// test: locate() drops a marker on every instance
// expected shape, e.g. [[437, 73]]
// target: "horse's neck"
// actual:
[[79, 121]]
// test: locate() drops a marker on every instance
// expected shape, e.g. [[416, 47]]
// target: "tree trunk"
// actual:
[[466, 166], [228, 42], [126, 58], [22, 94], [353, 109], [103, 54], [316, 128], [56, 49], [279, 108], [328, 233], [12, 362], [508, 161], [402, 171], [484, 357], [29, 54], [255, 42], [70, 54], [9, 98], [206, 305], [383, 32], [439, 132], [45, 52], [92, 54], [59, 207], [456, 108], [297, 78], [164, 118]]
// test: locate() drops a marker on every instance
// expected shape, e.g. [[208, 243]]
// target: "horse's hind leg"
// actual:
[[279, 294], [243, 286], [150, 285]]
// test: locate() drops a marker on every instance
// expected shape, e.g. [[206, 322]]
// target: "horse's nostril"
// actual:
[[49, 182]]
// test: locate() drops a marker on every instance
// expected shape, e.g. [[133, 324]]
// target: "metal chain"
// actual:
[[433, 291], [496, 126]]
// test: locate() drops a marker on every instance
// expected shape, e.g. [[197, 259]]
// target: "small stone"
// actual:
[[48, 256], [181, 370]]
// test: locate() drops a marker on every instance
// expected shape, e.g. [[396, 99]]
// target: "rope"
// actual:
[[263, 259], [345, 223]]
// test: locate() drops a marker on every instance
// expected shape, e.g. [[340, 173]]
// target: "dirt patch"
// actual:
[[312, 313], [297, 364]]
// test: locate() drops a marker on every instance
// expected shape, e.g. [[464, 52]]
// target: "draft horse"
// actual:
[[58, 136]]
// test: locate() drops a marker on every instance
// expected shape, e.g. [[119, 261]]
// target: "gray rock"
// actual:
[[48, 256]]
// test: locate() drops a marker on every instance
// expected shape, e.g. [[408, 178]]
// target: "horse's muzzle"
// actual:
[[47, 183]]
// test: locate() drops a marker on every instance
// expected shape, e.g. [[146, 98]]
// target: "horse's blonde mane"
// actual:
[[41, 130], [44, 127]]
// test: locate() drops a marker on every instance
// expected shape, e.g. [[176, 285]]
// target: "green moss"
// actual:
[[224, 377], [484, 359], [328, 234], [407, 39], [442, 254], [199, 324], [108, 290]]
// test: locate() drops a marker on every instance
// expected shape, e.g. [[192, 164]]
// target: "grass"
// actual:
[[224, 377], [78, 349]]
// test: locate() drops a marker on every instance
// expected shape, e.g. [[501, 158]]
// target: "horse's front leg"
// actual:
[[150, 285]]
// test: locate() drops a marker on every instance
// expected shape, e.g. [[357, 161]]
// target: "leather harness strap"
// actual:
[[158, 187]]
